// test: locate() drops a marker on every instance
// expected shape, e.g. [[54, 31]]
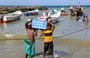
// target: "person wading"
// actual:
[[30, 42], [48, 40]]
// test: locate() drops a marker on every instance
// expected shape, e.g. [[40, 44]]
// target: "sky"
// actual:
[[44, 2]]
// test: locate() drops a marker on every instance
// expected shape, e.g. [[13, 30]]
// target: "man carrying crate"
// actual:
[[48, 40], [47, 30], [30, 42]]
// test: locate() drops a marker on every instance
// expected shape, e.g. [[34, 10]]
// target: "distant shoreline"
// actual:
[[10, 8], [41, 5]]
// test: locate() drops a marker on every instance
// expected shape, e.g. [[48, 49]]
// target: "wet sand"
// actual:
[[68, 48]]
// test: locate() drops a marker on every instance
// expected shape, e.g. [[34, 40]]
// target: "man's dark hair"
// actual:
[[27, 25], [49, 25]]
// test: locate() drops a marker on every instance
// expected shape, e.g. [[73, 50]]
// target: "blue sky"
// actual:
[[44, 2]]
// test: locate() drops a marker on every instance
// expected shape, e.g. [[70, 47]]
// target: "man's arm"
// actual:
[[41, 33], [53, 27], [35, 33]]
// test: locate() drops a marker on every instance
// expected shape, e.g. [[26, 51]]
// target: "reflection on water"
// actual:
[[5, 27]]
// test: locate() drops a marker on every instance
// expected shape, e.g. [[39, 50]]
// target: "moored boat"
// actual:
[[30, 13], [63, 12], [54, 14], [11, 17]]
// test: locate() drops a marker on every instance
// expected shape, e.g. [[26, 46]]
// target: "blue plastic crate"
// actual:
[[39, 24]]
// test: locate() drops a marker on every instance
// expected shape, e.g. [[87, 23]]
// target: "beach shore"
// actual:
[[71, 39], [66, 48]]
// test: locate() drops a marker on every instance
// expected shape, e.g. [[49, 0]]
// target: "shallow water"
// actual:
[[67, 27], [71, 38]]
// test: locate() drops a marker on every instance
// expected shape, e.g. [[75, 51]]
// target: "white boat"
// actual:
[[54, 14], [33, 12], [11, 16]]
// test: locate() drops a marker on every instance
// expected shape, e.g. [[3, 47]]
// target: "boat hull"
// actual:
[[54, 20], [54, 15], [10, 17], [30, 14]]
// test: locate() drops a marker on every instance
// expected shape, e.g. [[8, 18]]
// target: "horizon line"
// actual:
[[43, 5]]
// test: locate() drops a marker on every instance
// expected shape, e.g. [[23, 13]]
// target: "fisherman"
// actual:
[[48, 40], [79, 11], [85, 18], [30, 42], [63, 12], [72, 11]]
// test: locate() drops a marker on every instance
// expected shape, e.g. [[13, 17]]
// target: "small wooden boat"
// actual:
[[54, 14], [63, 12], [30, 13], [11, 17]]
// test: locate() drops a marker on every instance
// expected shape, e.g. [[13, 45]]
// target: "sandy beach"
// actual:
[[67, 48], [71, 38]]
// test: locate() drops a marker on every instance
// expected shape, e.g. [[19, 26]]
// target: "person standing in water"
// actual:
[[48, 40], [30, 42]]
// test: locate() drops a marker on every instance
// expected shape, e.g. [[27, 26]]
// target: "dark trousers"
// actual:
[[48, 47]]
